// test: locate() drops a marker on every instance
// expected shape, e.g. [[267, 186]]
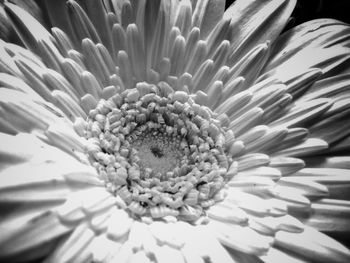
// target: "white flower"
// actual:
[[174, 131]]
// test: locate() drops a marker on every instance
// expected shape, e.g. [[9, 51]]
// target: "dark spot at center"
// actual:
[[157, 152]]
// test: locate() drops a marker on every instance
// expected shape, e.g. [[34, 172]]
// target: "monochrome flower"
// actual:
[[174, 131]]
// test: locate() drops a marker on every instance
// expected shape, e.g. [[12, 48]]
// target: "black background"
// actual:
[[306, 10]]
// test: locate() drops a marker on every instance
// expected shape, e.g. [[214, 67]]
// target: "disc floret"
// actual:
[[158, 150]]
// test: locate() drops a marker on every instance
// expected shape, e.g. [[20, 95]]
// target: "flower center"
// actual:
[[158, 152], [162, 153]]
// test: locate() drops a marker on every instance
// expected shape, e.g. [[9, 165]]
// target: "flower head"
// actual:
[[155, 130]]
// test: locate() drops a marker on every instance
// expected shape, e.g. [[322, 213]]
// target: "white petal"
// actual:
[[330, 215], [313, 245], [274, 14], [71, 248], [119, 224], [207, 14], [241, 238], [276, 255], [202, 242], [315, 33], [39, 230]]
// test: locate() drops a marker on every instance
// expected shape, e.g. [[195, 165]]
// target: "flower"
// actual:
[[157, 131]]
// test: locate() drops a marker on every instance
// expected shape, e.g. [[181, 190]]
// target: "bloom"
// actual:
[[145, 131]]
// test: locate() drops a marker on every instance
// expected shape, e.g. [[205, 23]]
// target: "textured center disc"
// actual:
[[158, 150]]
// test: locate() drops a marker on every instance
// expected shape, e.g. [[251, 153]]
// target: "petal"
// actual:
[[227, 212], [323, 42], [103, 248], [39, 40], [12, 82], [96, 12], [34, 174], [201, 241], [32, 171], [276, 255], [330, 216], [241, 238], [24, 114], [248, 202], [37, 232], [23, 24], [87, 205], [341, 146], [313, 245], [341, 162], [255, 22], [7, 65], [329, 129], [326, 59], [302, 186], [117, 231], [332, 87], [72, 247], [320, 33], [303, 112], [336, 180], [58, 15], [167, 254], [207, 14], [308, 147]]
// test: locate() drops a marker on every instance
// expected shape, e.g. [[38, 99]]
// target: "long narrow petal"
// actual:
[[249, 30], [316, 33], [313, 245], [206, 15]]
